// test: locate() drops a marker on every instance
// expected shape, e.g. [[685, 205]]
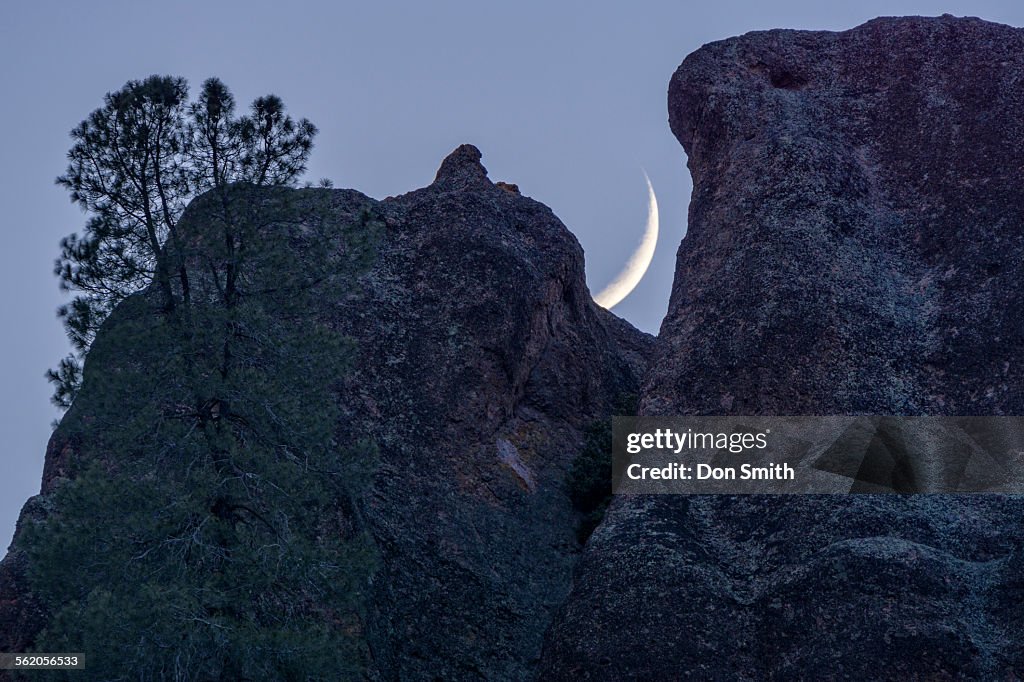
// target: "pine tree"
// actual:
[[136, 162], [212, 529]]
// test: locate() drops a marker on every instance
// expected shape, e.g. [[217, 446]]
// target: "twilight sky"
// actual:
[[567, 99]]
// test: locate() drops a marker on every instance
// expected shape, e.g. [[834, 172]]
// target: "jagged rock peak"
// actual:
[[462, 167]]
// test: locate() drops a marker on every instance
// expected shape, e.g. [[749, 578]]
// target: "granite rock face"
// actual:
[[480, 359], [855, 246], [483, 356]]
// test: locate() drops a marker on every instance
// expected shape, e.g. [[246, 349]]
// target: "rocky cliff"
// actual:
[[483, 356], [479, 358], [855, 244]]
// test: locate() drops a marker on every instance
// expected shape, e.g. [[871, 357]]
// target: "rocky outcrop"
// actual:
[[479, 359], [855, 245], [482, 356]]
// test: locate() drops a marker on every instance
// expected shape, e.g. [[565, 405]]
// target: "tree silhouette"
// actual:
[[212, 528], [135, 164]]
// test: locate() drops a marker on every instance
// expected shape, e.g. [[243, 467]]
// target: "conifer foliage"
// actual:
[[208, 523], [134, 165]]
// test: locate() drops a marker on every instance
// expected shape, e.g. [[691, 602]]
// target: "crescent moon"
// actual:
[[637, 265]]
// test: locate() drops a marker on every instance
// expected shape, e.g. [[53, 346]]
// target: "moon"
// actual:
[[637, 265]]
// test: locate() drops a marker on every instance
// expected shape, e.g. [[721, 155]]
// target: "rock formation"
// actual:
[[855, 245], [483, 356], [480, 358]]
